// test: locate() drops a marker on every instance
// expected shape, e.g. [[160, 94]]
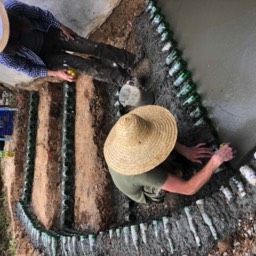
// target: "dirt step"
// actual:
[[46, 189], [92, 198]]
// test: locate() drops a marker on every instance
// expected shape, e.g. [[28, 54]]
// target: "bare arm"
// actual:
[[195, 153], [177, 185]]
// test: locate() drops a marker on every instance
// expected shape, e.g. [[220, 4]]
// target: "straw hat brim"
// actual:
[[145, 153], [5, 27]]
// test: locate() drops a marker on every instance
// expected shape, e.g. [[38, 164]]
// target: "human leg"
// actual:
[[107, 53], [92, 67]]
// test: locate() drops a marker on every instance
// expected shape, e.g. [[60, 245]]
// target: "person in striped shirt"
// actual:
[[34, 42]]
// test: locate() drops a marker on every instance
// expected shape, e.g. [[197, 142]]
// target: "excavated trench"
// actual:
[[180, 225]]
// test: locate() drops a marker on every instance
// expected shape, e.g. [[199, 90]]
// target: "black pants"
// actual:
[[107, 63]]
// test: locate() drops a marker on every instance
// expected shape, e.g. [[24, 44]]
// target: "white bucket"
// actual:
[[133, 96]]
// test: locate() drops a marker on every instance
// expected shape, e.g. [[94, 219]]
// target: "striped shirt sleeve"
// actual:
[[23, 65], [33, 12]]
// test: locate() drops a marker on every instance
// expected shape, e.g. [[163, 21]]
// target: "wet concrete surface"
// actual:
[[218, 42]]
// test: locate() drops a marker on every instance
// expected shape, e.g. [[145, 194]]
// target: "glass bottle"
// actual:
[[32, 111], [162, 27], [172, 56], [157, 19], [186, 89], [176, 67], [182, 77], [34, 96], [168, 46], [32, 104], [154, 11], [253, 161], [150, 5], [202, 121], [193, 98], [249, 174], [198, 112], [166, 36]]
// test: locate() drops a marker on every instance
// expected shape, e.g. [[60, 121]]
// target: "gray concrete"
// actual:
[[82, 16], [218, 40]]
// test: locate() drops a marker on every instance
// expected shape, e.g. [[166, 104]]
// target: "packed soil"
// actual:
[[98, 205]]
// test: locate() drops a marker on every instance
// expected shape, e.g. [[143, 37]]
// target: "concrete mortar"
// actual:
[[217, 38]]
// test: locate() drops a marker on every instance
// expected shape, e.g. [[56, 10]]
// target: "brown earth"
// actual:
[[46, 192], [92, 203]]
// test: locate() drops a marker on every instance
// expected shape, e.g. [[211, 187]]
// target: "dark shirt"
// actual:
[[33, 40]]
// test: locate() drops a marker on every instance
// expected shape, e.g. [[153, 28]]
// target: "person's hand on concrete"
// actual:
[[68, 32], [62, 74], [195, 153], [224, 154]]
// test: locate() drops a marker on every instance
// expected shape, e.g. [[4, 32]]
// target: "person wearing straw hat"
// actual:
[[138, 145], [34, 42]]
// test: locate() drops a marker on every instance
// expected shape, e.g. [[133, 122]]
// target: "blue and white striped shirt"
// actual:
[[25, 60]]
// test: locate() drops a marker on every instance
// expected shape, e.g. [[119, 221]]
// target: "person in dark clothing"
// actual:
[[34, 42]]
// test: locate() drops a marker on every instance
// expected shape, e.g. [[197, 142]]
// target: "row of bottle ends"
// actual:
[[178, 74]]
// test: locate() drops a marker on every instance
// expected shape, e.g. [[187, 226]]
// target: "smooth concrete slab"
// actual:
[[82, 16], [218, 40]]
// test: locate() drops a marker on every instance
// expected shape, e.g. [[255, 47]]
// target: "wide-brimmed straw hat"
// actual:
[[4, 27], [140, 140]]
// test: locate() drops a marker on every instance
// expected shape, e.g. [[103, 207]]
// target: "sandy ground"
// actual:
[[92, 180]]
